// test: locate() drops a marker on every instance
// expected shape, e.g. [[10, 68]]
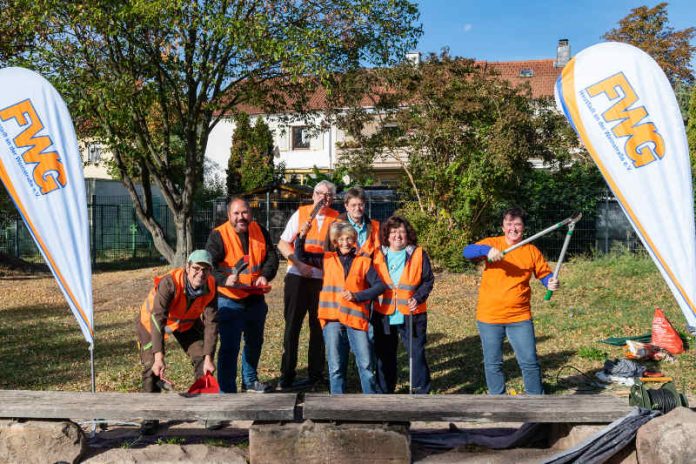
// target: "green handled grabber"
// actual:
[[571, 220], [561, 257]]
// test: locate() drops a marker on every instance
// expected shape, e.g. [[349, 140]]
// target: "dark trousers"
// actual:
[[301, 297], [386, 344], [190, 341]]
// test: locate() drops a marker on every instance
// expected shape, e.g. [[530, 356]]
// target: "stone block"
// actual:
[[182, 454], [566, 436], [668, 438], [39, 442], [319, 442]]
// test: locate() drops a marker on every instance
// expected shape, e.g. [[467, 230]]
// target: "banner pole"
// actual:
[[91, 367]]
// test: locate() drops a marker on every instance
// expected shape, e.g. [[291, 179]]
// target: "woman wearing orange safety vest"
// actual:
[[182, 303], [349, 284], [405, 268]]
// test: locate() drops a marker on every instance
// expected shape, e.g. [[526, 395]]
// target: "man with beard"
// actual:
[[245, 261]]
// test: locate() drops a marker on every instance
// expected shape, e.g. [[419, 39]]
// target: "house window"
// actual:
[[94, 152], [300, 138], [526, 72]]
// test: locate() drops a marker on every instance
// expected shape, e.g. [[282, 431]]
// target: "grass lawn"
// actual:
[[615, 295]]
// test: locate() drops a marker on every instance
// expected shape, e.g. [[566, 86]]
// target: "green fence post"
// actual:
[[93, 226], [17, 237]]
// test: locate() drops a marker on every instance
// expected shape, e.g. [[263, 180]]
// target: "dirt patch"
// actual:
[[11, 266]]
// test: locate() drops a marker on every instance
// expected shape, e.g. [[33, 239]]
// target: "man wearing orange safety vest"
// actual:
[[182, 303], [302, 287], [245, 262], [366, 228]]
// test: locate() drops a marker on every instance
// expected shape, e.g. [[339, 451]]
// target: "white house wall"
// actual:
[[321, 152]]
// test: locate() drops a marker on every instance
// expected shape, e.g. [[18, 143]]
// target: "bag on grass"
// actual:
[[204, 384], [664, 335]]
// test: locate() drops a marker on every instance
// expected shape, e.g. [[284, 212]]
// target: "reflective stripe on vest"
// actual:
[[397, 296], [179, 317], [332, 306], [316, 237], [234, 252]]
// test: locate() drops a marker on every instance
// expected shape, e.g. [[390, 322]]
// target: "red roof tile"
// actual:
[[540, 74]]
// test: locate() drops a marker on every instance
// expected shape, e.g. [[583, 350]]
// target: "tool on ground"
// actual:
[[571, 227], [662, 399], [656, 379]]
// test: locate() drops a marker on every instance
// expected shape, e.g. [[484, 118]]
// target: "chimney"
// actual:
[[562, 53], [414, 57]]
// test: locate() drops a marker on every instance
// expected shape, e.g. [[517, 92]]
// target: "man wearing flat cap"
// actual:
[[181, 303]]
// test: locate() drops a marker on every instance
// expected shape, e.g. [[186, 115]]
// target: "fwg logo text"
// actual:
[[644, 144], [49, 172]]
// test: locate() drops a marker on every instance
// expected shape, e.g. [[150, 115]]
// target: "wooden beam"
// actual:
[[465, 408], [138, 406]]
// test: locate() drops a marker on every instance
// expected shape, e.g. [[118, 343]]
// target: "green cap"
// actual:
[[200, 257]]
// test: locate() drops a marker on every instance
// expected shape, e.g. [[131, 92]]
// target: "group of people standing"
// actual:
[[362, 284]]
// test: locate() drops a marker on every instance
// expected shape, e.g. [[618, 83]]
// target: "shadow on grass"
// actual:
[[43, 350], [457, 367]]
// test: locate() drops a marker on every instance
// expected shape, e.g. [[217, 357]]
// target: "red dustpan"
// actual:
[[204, 384]]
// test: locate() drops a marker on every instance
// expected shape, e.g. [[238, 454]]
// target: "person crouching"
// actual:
[[349, 284]]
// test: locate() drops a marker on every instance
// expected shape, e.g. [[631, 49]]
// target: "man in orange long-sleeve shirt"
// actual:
[[503, 307]]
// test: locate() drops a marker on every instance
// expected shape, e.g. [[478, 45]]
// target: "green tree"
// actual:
[[152, 79], [251, 157], [691, 130], [463, 138], [649, 30]]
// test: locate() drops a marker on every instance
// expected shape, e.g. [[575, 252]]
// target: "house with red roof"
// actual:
[[301, 146]]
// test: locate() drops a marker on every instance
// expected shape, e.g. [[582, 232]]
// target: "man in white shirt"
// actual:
[[302, 286]]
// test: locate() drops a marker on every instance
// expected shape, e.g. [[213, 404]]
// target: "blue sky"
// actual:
[[509, 30]]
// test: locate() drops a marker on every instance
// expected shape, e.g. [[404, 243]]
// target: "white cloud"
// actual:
[[467, 27]]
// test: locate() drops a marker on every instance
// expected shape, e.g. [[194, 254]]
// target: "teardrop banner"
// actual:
[[41, 168], [624, 110]]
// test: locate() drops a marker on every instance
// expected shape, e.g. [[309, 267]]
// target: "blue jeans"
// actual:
[[521, 337], [237, 317], [337, 340]]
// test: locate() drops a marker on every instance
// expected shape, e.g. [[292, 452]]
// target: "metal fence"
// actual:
[[117, 236]]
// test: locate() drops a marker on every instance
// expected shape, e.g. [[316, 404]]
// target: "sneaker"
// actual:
[[149, 427], [257, 387]]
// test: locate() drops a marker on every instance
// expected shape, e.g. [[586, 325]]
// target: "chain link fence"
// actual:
[[117, 236]]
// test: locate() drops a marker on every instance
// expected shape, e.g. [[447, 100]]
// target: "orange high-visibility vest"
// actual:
[[332, 307], [234, 252], [316, 237], [372, 243], [396, 296], [179, 317]]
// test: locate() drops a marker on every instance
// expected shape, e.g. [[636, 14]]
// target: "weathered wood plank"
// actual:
[[465, 408], [135, 406]]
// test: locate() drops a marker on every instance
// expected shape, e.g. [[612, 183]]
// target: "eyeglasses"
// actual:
[[199, 269], [324, 194]]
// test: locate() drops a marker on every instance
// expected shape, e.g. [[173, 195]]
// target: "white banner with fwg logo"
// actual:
[[623, 108], [41, 168]]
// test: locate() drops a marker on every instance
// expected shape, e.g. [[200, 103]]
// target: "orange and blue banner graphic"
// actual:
[[41, 168], [624, 110]]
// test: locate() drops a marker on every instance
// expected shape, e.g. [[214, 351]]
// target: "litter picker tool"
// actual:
[[410, 354], [571, 220], [561, 257]]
